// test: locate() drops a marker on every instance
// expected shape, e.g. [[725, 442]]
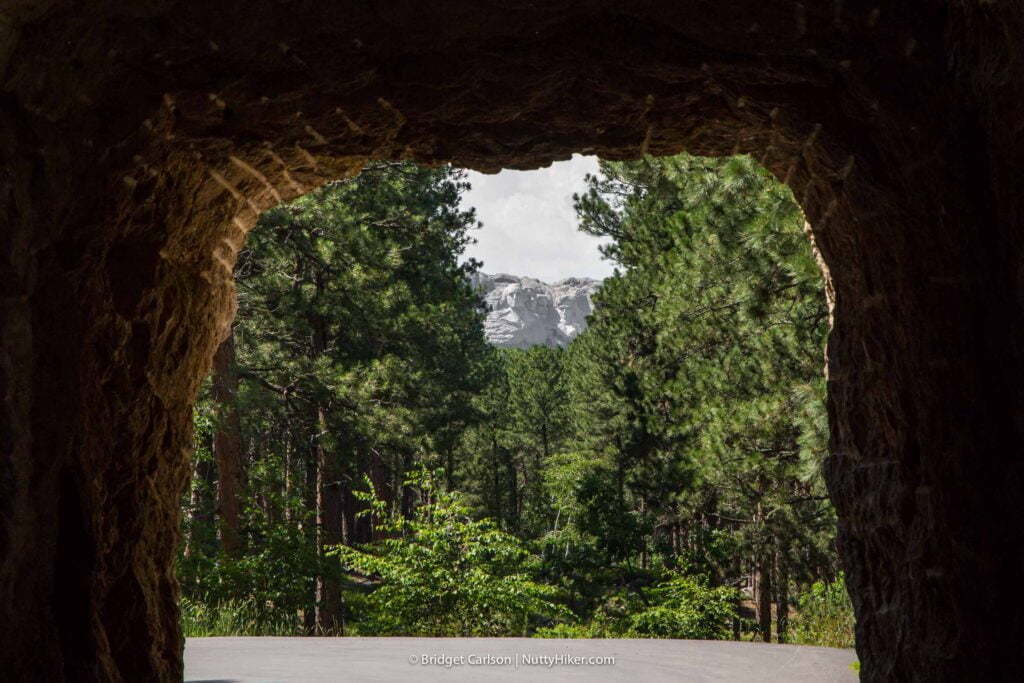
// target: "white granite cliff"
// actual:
[[524, 312]]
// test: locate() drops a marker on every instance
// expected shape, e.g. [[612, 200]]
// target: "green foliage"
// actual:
[[569, 631], [622, 487], [359, 348], [234, 618], [685, 607], [698, 382], [197, 502], [442, 573], [825, 615], [524, 422], [680, 606], [353, 305], [267, 586]]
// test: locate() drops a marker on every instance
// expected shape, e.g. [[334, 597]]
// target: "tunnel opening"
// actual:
[[312, 510], [159, 134]]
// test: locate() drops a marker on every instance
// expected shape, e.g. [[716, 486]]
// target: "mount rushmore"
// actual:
[[524, 312]]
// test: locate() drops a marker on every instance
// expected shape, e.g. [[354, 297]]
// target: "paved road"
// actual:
[[252, 660]]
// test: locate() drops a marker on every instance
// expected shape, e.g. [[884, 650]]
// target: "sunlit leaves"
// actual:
[[444, 573]]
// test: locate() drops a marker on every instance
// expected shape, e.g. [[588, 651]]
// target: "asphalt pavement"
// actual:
[[298, 660]]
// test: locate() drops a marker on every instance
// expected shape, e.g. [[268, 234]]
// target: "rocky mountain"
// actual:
[[524, 312]]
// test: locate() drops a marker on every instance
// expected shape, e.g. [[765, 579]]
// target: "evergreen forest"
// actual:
[[365, 463]]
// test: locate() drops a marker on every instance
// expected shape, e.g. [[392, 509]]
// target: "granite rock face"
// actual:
[[524, 312]]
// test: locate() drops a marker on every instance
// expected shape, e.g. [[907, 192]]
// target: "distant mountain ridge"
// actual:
[[525, 312]]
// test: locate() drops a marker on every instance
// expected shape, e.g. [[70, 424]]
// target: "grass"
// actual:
[[824, 616], [234, 618]]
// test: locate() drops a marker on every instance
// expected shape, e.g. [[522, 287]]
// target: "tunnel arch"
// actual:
[[139, 145]]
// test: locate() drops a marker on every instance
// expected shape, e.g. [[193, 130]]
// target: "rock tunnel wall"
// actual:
[[140, 141]]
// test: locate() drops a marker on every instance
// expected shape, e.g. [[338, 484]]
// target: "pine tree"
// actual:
[[701, 369]]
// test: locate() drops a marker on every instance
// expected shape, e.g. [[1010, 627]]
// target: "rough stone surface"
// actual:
[[524, 312], [139, 141]]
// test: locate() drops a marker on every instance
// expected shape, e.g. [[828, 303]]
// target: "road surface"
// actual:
[[266, 660]]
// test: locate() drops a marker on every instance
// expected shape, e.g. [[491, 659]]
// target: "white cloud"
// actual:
[[529, 226]]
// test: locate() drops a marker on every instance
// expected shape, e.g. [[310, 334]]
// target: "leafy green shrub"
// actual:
[[442, 573], [824, 615], [686, 607], [263, 590], [609, 621], [681, 607]]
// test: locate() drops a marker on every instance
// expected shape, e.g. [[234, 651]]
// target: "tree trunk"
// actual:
[[311, 498], [513, 489], [737, 570], [407, 492], [764, 597], [781, 598], [227, 446], [329, 528], [545, 440], [201, 505], [286, 484], [449, 468]]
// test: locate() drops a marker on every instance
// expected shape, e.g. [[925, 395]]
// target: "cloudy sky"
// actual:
[[529, 224]]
